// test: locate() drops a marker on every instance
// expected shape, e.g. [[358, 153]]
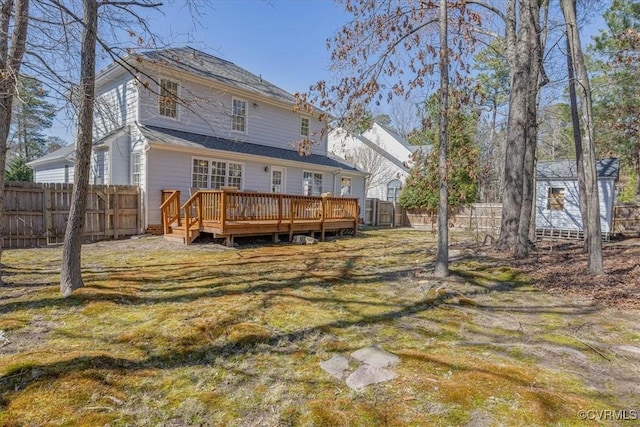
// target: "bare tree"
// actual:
[[442, 254], [369, 160], [71, 272], [391, 49], [12, 48], [583, 90]]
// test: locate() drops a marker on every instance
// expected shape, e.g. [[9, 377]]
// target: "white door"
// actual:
[[277, 179]]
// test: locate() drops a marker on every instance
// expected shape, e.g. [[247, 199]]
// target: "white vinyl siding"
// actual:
[[265, 124], [569, 217], [60, 172], [116, 106], [239, 115], [214, 174], [168, 99]]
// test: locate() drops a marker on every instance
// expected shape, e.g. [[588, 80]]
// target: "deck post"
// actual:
[[279, 211], [292, 209], [324, 215], [223, 211]]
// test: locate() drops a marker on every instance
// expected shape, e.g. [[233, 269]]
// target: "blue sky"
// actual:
[[283, 40]]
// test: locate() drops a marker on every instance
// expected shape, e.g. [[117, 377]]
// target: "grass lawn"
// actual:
[[165, 334]]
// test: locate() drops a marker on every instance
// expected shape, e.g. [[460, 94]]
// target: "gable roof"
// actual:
[[178, 138], [403, 141], [606, 168], [65, 153], [211, 67]]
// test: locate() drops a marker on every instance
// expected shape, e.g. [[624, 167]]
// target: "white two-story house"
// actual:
[[189, 120], [380, 151]]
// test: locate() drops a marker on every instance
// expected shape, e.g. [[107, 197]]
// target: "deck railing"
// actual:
[[170, 208], [221, 207]]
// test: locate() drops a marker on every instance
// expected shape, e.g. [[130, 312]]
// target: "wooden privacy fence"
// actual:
[[379, 213], [36, 214], [482, 218], [626, 220]]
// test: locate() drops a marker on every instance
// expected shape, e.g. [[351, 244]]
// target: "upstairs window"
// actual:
[[555, 199], [304, 126], [239, 115], [168, 101]]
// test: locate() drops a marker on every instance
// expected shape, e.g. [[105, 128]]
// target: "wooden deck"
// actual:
[[228, 214]]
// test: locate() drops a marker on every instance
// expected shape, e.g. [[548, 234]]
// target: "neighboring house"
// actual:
[[189, 120], [557, 202], [384, 154]]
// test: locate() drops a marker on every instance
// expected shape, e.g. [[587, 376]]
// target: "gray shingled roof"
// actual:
[[202, 64], [193, 140], [606, 168], [59, 154]]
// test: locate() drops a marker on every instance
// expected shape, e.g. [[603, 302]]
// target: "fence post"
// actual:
[[116, 214], [48, 212]]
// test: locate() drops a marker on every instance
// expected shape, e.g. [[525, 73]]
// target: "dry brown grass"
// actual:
[[171, 335]]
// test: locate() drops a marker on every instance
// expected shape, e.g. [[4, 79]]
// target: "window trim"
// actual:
[[209, 161], [397, 189], [350, 193], [302, 118], [246, 114], [178, 94], [137, 154], [312, 176], [555, 204], [283, 188]]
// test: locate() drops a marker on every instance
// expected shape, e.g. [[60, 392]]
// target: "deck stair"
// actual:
[[227, 213]]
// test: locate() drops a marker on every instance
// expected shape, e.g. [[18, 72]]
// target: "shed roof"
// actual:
[[606, 168], [192, 140]]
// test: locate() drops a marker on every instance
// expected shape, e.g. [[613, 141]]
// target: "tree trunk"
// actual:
[[11, 53], [516, 138], [442, 254], [530, 17], [583, 89], [71, 274], [577, 138]]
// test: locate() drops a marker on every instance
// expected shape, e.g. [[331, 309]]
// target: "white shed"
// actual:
[[557, 196]]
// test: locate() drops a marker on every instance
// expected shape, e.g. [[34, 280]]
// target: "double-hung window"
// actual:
[[214, 174], [239, 115], [304, 126], [136, 168], [311, 183], [168, 100]]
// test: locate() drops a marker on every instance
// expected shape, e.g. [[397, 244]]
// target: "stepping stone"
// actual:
[[375, 356], [366, 375], [336, 366]]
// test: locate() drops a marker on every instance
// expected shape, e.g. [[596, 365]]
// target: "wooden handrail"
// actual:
[[170, 208]]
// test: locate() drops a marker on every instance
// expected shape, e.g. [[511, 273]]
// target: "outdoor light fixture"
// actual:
[[266, 168]]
